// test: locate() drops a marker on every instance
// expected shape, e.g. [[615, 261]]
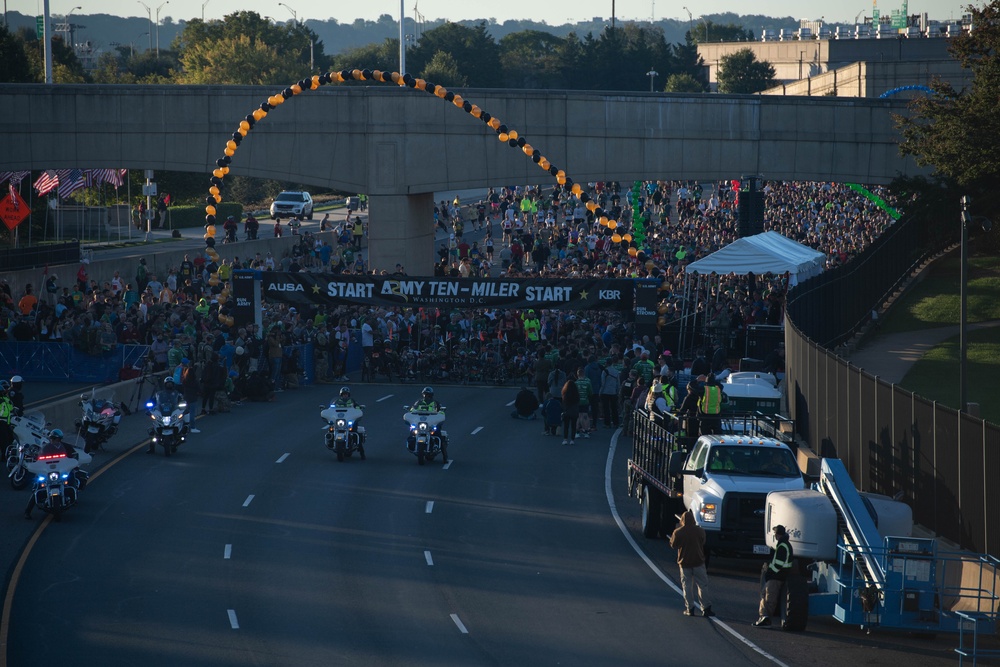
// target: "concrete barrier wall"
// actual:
[[63, 413]]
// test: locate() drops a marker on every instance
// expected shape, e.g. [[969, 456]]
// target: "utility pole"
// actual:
[[47, 38], [402, 40]]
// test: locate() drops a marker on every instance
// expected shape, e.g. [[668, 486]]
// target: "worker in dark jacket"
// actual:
[[689, 541], [775, 574]]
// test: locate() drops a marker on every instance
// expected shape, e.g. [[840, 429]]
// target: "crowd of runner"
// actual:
[[525, 232]]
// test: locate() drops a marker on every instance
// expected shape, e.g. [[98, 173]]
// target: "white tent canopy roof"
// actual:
[[769, 252]]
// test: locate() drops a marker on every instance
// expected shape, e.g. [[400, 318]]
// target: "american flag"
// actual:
[[15, 177], [70, 181], [116, 177], [47, 182]]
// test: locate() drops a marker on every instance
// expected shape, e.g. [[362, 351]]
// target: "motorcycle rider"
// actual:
[[170, 395], [54, 447], [428, 404], [17, 395], [345, 400], [6, 415]]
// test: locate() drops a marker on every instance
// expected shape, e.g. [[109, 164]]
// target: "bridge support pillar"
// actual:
[[401, 231]]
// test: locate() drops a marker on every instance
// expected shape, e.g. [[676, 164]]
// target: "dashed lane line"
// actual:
[[427, 557], [284, 456], [232, 619], [458, 622], [429, 507], [246, 503], [227, 552], [477, 430]]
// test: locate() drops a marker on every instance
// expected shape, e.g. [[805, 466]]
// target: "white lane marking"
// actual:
[[459, 623], [657, 571], [232, 619], [385, 398], [430, 507], [448, 464], [511, 403], [248, 500], [427, 557], [283, 457], [478, 429], [228, 551]]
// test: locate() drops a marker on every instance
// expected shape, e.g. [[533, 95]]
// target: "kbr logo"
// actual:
[[610, 295]]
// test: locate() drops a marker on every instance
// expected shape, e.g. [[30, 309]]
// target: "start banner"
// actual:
[[413, 292]]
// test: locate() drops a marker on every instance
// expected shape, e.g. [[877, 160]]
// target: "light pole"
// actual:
[[402, 39], [295, 14], [149, 13], [690, 19], [132, 43], [69, 27], [167, 2], [203, 10], [857, 16], [652, 74], [987, 224]]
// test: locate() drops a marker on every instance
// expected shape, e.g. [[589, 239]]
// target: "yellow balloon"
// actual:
[[615, 238], [210, 231], [210, 210]]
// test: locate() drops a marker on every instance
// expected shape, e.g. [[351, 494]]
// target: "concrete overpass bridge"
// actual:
[[401, 145]]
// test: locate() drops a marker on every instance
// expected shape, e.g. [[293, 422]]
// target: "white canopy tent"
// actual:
[[760, 254], [769, 252]]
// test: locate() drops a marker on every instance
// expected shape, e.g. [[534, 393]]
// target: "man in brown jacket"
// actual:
[[689, 541]]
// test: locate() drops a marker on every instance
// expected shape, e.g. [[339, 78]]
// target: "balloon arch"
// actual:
[[632, 241]]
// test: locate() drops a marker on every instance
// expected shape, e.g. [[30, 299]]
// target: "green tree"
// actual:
[[683, 83], [384, 56], [245, 48], [473, 50], [14, 64], [957, 132], [112, 67], [443, 71], [530, 59], [708, 31], [741, 72]]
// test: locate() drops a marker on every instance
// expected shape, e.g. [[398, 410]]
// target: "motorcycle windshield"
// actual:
[[165, 402]]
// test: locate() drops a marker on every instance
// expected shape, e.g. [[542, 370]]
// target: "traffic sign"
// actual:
[[40, 26], [13, 210]]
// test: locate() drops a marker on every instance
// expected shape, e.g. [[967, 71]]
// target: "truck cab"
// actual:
[[724, 480]]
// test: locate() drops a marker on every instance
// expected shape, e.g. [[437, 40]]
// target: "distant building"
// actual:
[[865, 61]]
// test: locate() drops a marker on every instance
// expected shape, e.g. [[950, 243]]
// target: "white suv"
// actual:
[[292, 205]]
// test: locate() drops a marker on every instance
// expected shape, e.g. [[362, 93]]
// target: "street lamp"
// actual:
[[167, 2], [857, 16], [295, 14], [69, 27], [690, 19], [132, 43], [652, 74], [203, 10], [149, 13]]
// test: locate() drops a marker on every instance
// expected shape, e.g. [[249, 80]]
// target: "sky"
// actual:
[[553, 12]]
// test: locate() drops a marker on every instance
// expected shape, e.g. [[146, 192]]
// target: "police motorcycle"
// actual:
[[30, 433], [168, 410], [57, 477], [99, 421], [426, 438], [343, 434]]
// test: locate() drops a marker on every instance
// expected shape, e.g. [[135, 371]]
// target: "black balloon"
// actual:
[[227, 159], [367, 73], [237, 137], [265, 106], [430, 88], [512, 143], [220, 162], [210, 200], [250, 119], [536, 153], [485, 117], [502, 129], [536, 158], [584, 197], [210, 242], [521, 141], [305, 84], [209, 219], [287, 92], [216, 181], [467, 106], [449, 96], [346, 74], [553, 170], [407, 78]]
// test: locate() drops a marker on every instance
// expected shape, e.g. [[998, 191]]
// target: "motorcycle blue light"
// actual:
[[149, 404], [41, 478], [65, 475]]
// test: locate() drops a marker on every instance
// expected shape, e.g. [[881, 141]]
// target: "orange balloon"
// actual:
[[513, 134], [229, 151], [258, 114], [214, 190], [210, 231], [615, 238], [457, 100], [231, 144], [244, 125], [217, 198], [296, 89], [632, 252], [221, 299], [210, 210], [527, 149], [225, 170], [241, 131], [503, 136], [604, 220], [494, 123], [213, 281], [576, 189], [223, 318], [218, 173], [627, 237], [561, 180], [612, 224]]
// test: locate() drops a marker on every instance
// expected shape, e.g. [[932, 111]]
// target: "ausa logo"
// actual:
[[285, 287]]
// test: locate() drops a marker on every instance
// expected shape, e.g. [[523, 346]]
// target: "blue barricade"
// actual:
[[60, 362]]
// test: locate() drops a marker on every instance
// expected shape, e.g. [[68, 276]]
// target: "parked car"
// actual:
[[290, 204]]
